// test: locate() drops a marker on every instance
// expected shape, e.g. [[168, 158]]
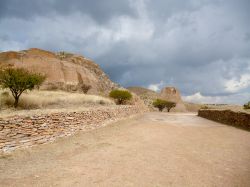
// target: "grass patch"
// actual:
[[52, 99]]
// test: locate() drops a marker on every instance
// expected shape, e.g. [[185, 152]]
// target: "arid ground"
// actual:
[[154, 149]]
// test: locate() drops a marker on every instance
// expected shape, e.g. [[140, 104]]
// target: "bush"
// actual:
[[121, 96], [204, 107], [18, 80], [247, 105], [161, 104]]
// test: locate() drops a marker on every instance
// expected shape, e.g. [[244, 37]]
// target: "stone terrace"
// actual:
[[22, 132]]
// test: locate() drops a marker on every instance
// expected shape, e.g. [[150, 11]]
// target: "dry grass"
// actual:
[[235, 108], [44, 102], [52, 99]]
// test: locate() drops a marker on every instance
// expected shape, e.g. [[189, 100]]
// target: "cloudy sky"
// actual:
[[200, 46]]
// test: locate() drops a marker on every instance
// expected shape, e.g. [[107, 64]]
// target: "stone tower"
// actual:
[[171, 94]]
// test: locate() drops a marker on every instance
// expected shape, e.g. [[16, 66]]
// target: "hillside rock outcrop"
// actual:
[[64, 71]]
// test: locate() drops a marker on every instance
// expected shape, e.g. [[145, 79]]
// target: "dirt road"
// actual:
[[150, 150]]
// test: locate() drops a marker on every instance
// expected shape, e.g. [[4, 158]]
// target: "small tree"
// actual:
[[161, 104], [247, 105], [18, 80], [120, 96], [170, 105]]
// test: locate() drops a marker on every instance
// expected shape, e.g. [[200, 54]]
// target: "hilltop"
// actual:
[[64, 71]]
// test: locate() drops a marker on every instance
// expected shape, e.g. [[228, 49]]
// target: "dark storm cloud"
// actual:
[[99, 10], [200, 46]]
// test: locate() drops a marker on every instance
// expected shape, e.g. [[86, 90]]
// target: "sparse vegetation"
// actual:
[[247, 106], [19, 80], [162, 104], [121, 96], [62, 55], [52, 100], [84, 87], [204, 107]]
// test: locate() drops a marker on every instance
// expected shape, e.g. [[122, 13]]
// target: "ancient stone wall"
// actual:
[[21, 132], [237, 119]]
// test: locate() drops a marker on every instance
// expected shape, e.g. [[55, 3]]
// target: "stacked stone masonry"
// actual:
[[22, 132], [237, 119]]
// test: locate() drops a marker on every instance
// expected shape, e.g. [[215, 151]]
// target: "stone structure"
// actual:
[[21, 132], [167, 93], [237, 119], [64, 71], [171, 94]]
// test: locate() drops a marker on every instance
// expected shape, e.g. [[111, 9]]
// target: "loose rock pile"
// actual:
[[22, 132]]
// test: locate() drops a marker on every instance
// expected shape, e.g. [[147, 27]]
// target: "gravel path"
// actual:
[[154, 149]]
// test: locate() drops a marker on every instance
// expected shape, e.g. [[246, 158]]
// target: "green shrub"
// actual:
[[247, 105], [204, 107], [121, 96], [161, 104], [18, 80]]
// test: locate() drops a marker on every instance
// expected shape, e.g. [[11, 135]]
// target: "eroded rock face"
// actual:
[[64, 71]]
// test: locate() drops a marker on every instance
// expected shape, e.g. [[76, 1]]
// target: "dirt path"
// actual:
[[150, 150]]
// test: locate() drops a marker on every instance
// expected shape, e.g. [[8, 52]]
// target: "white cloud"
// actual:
[[156, 87], [235, 85], [229, 99], [199, 98]]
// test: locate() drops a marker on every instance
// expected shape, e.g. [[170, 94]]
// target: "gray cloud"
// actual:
[[99, 10], [200, 46]]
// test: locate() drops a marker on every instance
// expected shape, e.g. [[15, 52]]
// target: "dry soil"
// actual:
[[155, 149]]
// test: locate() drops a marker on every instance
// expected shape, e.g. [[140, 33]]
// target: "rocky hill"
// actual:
[[64, 71], [167, 93]]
